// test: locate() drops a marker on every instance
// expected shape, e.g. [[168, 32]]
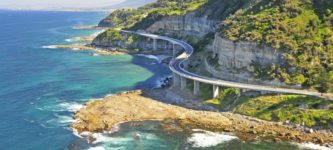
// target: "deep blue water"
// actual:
[[40, 87]]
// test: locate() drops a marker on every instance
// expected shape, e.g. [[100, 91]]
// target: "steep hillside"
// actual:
[[144, 16], [184, 18], [297, 32], [127, 18], [300, 29]]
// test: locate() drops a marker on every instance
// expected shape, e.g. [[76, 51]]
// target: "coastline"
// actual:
[[104, 114], [178, 115], [159, 57], [99, 51]]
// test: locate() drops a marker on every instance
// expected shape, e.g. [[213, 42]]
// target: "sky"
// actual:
[[56, 4]]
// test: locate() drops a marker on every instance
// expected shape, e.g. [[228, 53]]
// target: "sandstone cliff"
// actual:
[[188, 24], [176, 25], [242, 54], [235, 61]]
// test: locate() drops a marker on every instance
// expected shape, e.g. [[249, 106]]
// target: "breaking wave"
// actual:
[[50, 46], [312, 146], [202, 138]]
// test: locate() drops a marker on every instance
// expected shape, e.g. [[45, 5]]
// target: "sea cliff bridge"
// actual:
[[181, 76]]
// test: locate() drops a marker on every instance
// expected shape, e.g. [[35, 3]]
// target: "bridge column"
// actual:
[[154, 44], [244, 90], [196, 88], [175, 78], [174, 51], [185, 64], [264, 92], [215, 91], [182, 83]]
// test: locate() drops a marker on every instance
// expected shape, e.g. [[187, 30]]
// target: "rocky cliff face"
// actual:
[[235, 61], [180, 25], [183, 25], [142, 44], [241, 55]]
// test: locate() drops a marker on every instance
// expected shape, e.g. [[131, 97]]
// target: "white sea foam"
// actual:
[[108, 95], [202, 138], [97, 148], [69, 106], [75, 49], [312, 146], [99, 137], [61, 120], [69, 40], [157, 58], [75, 39], [50, 46]]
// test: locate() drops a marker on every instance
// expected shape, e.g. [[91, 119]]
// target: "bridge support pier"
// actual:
[[154, 44], [185, 64], [263, 92], [176, 81], [196, 89], [215, 91], [182, 83], [174, 51], [244, 90]]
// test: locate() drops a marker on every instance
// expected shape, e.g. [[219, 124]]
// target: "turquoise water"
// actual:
[[41, 88], [150, 135]]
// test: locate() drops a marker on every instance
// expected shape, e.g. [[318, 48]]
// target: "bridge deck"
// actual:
[[175, 66]]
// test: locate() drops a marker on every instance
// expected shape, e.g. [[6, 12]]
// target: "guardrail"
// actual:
[[175, 66]]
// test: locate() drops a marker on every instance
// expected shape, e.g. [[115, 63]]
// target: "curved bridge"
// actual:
[[180, 75]]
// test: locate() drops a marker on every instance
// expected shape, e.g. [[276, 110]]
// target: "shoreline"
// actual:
[[159, 57], [99, 51], [178, 116], [103, 114], [90, 27]]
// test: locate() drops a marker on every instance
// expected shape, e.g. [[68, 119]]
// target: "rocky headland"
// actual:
[[235, 60], [102, 115]]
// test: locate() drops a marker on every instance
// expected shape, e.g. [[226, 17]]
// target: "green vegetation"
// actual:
[[311, 111], [144, 16], [226, 99], [221, 9], [301, 29], [111, 35], [200, 44], [206, 90], [114, 35], [294, 108]]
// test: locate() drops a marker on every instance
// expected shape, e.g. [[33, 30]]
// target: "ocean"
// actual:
[[41, 87]]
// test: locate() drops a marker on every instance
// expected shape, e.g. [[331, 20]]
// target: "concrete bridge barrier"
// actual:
[[181, 75]]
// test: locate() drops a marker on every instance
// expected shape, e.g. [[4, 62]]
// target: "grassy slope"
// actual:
[[300, 109], [301, 29], [295, 108]]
